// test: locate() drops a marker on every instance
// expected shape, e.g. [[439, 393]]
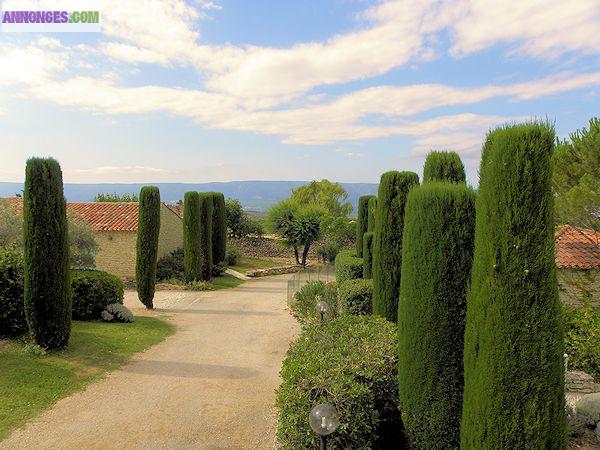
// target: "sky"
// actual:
[[197, 91]]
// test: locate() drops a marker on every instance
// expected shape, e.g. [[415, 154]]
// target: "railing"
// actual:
[[325, 273]]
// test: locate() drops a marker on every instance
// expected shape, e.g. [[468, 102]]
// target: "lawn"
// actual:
[[225, 281], [246, 264], [30, 382]]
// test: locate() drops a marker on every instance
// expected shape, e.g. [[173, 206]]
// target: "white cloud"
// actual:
[[121, 170]]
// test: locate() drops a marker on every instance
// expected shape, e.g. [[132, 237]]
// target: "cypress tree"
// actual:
[[192, 255], [387, 241], [47, 295], [444, 166], [361, 222], [368, 255], [513, 354], [219, 227], [437, 253], [147, 244], [371, 214], [206, 240]]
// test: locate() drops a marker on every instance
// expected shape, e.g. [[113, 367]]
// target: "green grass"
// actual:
[[225, 281], [246, 264], [31, 382]]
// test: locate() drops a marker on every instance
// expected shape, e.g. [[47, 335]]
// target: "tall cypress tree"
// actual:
[[219, 227], [513, 364], [47, 294], [371, 214], [387, 241], [368, 255], [361, 222], [437, 253], [443, 166], [147, 244], [192, 255], [206, 240]]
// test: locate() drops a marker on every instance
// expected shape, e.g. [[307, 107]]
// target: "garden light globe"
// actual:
[[322, 307], [324, 419]]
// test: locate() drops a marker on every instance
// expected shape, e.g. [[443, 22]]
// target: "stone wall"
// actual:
[[171, 232], [264, 247], [574, 285]]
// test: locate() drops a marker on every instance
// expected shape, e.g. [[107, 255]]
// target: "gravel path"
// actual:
[[208, 386]]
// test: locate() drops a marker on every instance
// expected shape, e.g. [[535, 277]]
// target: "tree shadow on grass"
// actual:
[[190, 370]]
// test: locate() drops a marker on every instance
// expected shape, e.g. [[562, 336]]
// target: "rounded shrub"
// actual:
[[355, 297], [47, 291], [171, 267], [371, 216], [437, 253], [192, 255], [444, 166], [349, 362], [582, 339], [513, 354], [347, 266], [147, 244], [116, 312], [368, 255], [305, 300], [93, 291], [12, 312], [387, 241], [232, 255], [219, 228], [206, 242], [362, 222]]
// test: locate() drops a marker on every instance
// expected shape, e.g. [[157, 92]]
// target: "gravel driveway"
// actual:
[[208, 386]]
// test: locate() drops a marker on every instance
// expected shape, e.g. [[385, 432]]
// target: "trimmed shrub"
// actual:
[[387, 241], [231, 255], [513, 357], [362, 222], [206, 242], [47, 296], [12, 312], [582, 339], [171, 266], [219, 228], [368, 255], [93, 291], [355, 297], [444, 166], [371, 216], [116, 312], [192, 255], [147, 244], [304, 302], [437, 253], [347, 266], [350, 363]]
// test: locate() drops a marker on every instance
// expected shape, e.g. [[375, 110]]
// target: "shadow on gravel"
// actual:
[[190, 370], [218, 312]]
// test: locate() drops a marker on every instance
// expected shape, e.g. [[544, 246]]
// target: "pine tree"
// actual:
[[147, 244]]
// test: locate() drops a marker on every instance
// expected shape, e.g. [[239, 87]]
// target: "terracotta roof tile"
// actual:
[[577, 248]]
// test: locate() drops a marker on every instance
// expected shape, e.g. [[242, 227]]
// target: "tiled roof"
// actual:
[[177, 209], [577, 248]]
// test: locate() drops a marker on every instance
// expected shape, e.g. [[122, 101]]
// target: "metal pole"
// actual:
[[322, 314], [323, 442]]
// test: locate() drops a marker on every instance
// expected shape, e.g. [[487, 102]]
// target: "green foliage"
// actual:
[[305, 300], [116, 312], [355, 297], [437, 253], [219, 227], [371, 216], [231, 255], [582, 339], [114, 197], [147, 244], [337, 233], [513, 354], [12, 312], [93, 291], [192, 255], [206, 241], [239, 225], [331, 197], [82, 242], [576, 177], [47, 289], [387, 241], [348, 266], [444, 166], [350, 363], [171, 266], [362, 222], [11, 226], [368, 255]]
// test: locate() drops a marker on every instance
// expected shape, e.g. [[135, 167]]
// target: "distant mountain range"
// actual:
[[254, 195]]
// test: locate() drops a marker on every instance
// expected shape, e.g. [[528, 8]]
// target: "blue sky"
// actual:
[[297, 90]]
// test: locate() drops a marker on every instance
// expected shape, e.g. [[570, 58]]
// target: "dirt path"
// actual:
[[208, 386]]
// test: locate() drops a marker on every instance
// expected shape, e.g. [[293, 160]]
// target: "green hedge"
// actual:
[[206, 242], [192, 255], [582, 339], [387, 241], [47, 296], [444, 166], [437, 254], [305, 300], [147, 244], [368, 255], [355, 297], [93, 291], [362, 222], [349, 362], [347, 266], [513, 357], [372, 214], [12, 312], [219, 228]]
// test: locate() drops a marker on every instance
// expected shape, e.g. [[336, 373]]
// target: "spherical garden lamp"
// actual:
[[324, 420], [322, 308]]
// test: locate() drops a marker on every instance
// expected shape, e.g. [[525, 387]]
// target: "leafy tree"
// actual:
[[444, 166], [238, 223], [332, 197], [114, 197], [46, 255], [147, 244]]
